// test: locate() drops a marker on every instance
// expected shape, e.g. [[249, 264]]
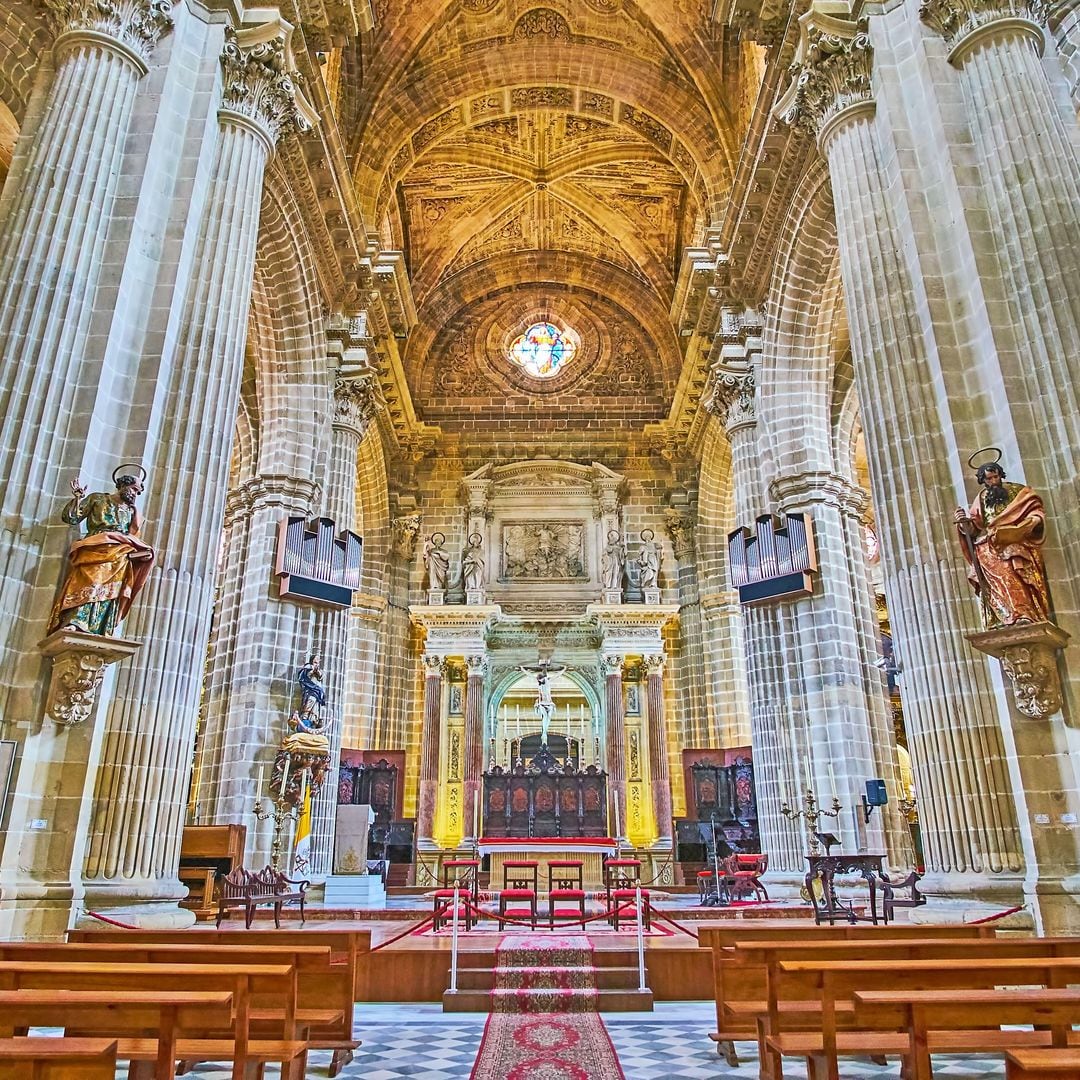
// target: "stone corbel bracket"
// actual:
[[78, 665], [1028, 655]]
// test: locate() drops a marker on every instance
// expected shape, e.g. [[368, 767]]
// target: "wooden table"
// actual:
[[824, 868]]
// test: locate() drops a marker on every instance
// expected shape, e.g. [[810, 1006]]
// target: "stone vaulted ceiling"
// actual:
[[542, 162]]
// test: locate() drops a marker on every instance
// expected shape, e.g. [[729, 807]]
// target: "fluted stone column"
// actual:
[[142, 785], [51, 240], [615, 709], [474, 739], [356, 402], [429, 749], [965, 805], [660, 772], [1027, 155]]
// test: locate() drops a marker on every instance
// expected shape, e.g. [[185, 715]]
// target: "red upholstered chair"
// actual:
[[621, 879], [517, 899], [566, 886], [467, 874], [745, 875]]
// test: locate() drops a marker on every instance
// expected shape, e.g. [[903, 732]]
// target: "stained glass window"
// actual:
[[543, 350]]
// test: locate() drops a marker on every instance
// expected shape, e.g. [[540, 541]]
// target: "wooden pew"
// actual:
[[1042, 1064], [166, 1015], [324, 1012], [717, 936], [270, 987], [839, 980], [58, 1059], [956, 1021]]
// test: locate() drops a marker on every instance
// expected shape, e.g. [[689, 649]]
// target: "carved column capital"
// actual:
[[434, 665], [477, 666], [964, 23], [832, 72], [405, 530], [733, 398], [612, 664], [654, 665], [137, 25], [680, 527], [260, 82], [357, 402]]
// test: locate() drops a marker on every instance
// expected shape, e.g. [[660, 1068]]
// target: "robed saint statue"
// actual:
[[109, 565], [1002, 535]]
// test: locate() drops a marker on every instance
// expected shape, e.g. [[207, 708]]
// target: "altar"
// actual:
[[591, 851]]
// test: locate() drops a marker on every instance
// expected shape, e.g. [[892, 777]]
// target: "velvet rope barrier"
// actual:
[[997, 915], [481, 913], [666, 918], [415, 928], [112, 922]]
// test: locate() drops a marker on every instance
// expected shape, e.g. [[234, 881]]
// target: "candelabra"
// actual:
[[282, 812], [812, 815]]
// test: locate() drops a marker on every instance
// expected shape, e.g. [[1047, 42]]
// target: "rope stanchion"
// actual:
[[112, 922], [481, 913], [415, 928], [997, 915], [665, 918]]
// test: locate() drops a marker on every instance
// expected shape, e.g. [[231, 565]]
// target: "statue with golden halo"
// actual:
[[109, 565], [306, 746], [1002, 534]]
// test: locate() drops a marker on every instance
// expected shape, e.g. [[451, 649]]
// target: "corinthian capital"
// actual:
[[733, 398], [260, 80], [680, 527], [136, 24], [356, 403], [831, 71], [960, 21]]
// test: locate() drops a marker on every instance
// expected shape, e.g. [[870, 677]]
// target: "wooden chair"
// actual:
[[235, 895], [520, 885], [744, 875], [466, 872], [566, 885], [290, 891], [621, 879], [889, 900]]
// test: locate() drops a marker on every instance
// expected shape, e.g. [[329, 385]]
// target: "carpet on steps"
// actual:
[[544, 973]]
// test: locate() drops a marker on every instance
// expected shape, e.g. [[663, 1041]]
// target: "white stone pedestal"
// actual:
[[652, 596], [436, 597], [612, 596], [474, 597], [354, 891]]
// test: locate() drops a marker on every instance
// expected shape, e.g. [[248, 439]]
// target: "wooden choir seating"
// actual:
[[207, 854], [241, 890], [882, 991], [58, 1059]]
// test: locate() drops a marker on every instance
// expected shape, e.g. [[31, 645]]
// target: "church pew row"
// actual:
[[58, 1059], [1042, 1064], [170, 1018], [873, 1030], [749, 980], [267, 988]]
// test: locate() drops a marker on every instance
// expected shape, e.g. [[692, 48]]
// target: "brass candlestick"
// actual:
[[812, 814], [282, 812]]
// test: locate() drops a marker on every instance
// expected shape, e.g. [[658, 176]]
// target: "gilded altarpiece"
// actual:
[[641, 829], [451, 809]]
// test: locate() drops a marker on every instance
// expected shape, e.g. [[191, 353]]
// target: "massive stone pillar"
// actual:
[[659, 770], [476, 666], [142, 784], [356, 401], [615, 747], [969, 828], [429, 750], [51, 239]]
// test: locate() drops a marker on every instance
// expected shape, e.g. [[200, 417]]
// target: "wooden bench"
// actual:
[[1042, 1064], [833, 981], [340, 990], [956, 1021], [270, 988], [742, 978], [166, 1015], [58, 1059], [241, 890]]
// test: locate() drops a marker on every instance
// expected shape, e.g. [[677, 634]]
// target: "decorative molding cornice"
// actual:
[[962, 23], [138, 25], [832, 72], [295, 494], [260, 81]]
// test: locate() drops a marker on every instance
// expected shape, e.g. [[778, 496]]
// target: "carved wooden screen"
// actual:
[[545, 804]]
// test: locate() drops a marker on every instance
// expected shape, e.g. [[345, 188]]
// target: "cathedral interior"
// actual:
[[602, 421]]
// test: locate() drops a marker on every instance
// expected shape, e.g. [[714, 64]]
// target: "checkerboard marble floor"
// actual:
[[672, 1043]]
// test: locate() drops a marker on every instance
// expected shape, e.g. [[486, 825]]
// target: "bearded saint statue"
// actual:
[[1002, 536], [109, 565]]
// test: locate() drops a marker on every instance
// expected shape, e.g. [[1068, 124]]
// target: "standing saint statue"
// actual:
[[1002, 534], [306, 745], [108, 566], [648, 560], [613, 562], [472, 564], [437, 561]]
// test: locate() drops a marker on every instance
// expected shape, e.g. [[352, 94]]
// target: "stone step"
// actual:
[[604, 978], [605, 1001]]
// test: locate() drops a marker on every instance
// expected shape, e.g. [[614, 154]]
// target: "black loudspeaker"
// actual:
[[876, 795]]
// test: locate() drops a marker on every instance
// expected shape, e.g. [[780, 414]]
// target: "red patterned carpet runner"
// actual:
[[543, 1023]]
